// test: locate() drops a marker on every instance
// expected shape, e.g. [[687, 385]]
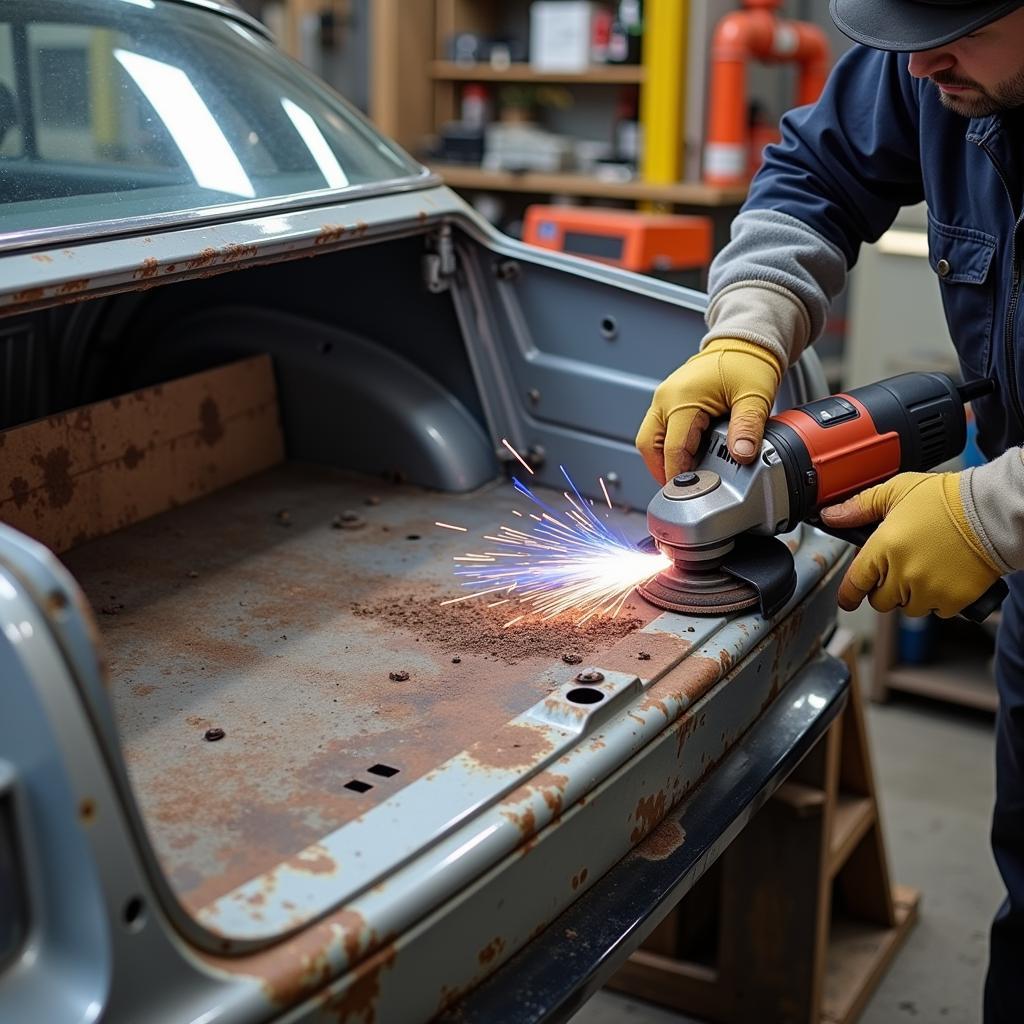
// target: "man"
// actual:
[[929, 107]]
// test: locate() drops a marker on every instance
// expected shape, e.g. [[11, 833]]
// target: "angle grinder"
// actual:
[[719, 522]]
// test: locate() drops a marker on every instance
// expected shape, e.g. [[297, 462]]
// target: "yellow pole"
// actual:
[[662, 95]]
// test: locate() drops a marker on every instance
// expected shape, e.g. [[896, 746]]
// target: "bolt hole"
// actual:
[[56, 601], [383, 769], [609, 328], [134, 913], [326, 347], [412, 536], [358, 787], [584, 696]]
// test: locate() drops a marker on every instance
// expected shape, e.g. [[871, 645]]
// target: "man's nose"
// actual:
[[928, 62]]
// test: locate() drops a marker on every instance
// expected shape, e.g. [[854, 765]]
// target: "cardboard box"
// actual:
[[560, 34]]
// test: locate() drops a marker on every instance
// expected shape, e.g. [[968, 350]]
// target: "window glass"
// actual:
[[113, 109]]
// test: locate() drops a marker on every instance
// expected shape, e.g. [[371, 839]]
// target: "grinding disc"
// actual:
[[733, 596]]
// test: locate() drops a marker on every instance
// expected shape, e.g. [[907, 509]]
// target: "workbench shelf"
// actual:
[[460, 176], [957, 671], [611, 74], [798, 921]]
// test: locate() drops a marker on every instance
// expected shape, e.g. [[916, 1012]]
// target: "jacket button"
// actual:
[[942, 268]]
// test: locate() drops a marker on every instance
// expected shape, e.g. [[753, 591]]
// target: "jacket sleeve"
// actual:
[[841, 172]]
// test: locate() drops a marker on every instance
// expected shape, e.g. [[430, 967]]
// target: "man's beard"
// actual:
[[1004, 96]]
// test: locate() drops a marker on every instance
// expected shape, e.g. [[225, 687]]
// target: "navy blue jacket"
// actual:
[[879, 139]]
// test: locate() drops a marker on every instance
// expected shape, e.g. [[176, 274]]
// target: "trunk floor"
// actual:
[[246, 611]]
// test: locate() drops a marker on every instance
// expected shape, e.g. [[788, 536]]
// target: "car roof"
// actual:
[[230, 9]]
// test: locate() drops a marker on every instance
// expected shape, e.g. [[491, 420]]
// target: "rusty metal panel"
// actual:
[[279, 609], [572, 822], [93, 470]]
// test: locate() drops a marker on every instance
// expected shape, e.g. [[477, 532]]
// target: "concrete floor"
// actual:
[[934, 767]]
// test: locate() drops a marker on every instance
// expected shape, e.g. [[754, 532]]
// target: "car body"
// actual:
[[213, 201]]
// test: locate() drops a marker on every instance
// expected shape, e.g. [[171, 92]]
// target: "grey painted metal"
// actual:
[[478, 896], [442, 881], [551, 977]]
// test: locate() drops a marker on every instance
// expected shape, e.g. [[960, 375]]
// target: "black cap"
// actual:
[[909, 25]]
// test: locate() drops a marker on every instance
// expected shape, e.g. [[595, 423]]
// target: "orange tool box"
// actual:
[[633, 240]]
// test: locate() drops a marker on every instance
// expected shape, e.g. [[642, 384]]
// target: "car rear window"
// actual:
[[112, 110]]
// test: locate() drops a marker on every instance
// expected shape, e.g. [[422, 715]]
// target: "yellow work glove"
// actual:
[[727, 374], [924, 557]]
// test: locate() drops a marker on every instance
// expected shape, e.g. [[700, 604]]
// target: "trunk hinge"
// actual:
[[439, 263]]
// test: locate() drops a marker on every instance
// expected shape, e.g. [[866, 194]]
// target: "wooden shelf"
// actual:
[[852, 817], [680, 193], [600, 74], [959, 670], [962, 681]]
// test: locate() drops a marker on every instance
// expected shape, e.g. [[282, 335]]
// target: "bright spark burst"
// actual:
[[568, 562]]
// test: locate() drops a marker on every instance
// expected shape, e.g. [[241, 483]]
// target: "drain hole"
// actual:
[[412, 536], [134, 913], [581, 695], [383, 769], [359, 787], [609, 328]]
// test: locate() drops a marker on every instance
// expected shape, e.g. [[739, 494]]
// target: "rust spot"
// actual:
[[663, 841], [422, 216], [204, 259], [361, 228], [725, 658], [549, 785], [329, 233], [132, 456], [150, 265], [578, 880], [314, 860], [79, 284], [57, 482], [87, 810], [29, 295], [233, 252], [491, 950], [511, 746], [820, 560], [211, 430], [525, 822], [142, 690], [649, 811], [41, 257], [306, 962], [19, 491], [359, 1001]]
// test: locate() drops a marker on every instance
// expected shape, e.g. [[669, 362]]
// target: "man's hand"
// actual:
[[727, 374], [924, 557]]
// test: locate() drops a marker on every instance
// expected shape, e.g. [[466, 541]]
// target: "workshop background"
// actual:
[[603, 107]]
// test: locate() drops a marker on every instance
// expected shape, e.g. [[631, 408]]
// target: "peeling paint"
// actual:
[[649, 811], [491, 951]]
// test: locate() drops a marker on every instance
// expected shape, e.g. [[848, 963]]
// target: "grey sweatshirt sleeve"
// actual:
[[993, 499], [773, 284]]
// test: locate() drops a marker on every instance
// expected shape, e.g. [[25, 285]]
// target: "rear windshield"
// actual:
[[115, 109]]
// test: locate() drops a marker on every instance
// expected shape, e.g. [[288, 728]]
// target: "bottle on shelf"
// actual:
[[624, 43], [626, 128]]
